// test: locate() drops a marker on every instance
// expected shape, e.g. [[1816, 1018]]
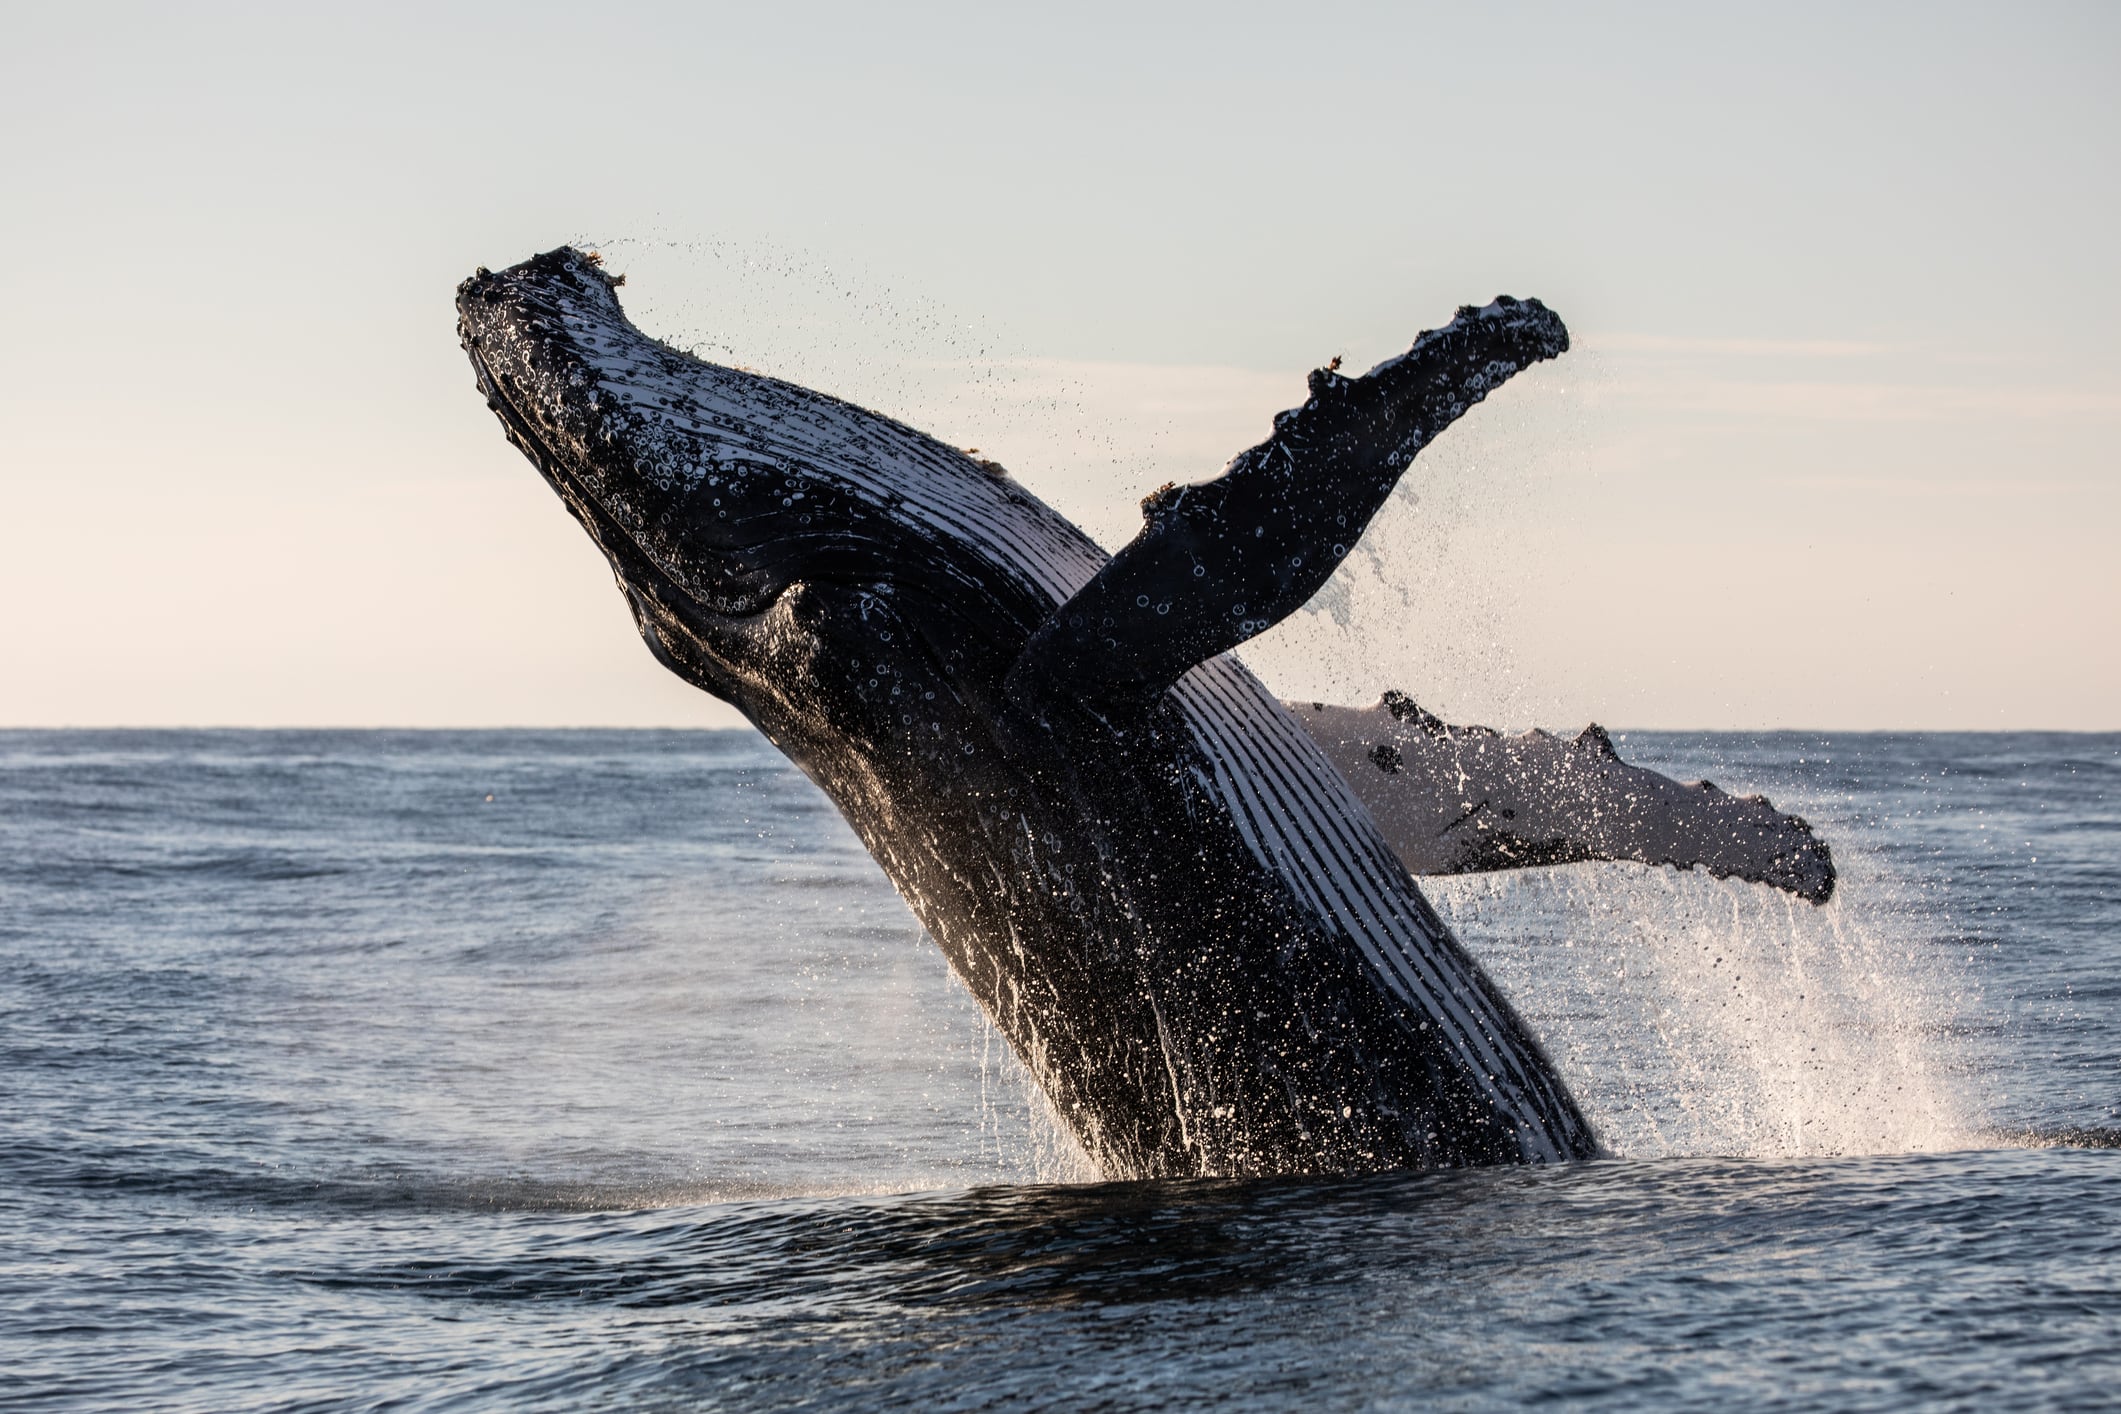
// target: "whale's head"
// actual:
[[745, 517]]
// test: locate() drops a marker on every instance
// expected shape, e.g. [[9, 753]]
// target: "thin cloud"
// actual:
[[1822, 401], [1748, 348]]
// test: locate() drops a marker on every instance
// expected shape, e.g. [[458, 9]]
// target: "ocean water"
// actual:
[[533, 1070]]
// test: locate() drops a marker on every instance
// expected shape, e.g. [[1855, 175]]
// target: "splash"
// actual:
[[1692, 1016], [1696, 1016], [1020, 1132], [959, 376]]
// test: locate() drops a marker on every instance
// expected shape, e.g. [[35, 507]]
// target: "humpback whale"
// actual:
[[1146, 869]]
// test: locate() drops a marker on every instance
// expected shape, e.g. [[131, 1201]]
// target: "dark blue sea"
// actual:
[[585, 1070]]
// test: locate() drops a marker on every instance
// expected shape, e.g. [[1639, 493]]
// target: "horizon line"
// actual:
[[747, 727]]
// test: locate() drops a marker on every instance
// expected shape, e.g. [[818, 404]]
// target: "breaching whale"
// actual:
[[1138, 860]]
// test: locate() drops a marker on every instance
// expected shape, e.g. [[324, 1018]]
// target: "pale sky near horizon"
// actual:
[[1836, 447]]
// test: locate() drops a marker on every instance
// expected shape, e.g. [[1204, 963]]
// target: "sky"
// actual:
[[1835, 447]]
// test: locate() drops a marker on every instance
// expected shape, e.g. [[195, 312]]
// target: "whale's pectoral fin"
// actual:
[[1456, 800], [1219, 562]]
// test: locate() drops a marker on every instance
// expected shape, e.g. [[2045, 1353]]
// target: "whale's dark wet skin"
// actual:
[[1164, 895]]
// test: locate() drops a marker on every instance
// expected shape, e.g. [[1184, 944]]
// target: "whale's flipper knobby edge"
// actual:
[[1461, 800], [1221, 561]]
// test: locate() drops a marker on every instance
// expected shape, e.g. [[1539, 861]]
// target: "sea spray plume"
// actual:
[[1704, 1017], [1147, 874]]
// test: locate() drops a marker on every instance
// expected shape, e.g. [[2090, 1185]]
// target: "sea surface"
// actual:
[[584, 1070]]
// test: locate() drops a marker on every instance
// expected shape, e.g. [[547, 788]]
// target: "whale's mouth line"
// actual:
[[637, 569]]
